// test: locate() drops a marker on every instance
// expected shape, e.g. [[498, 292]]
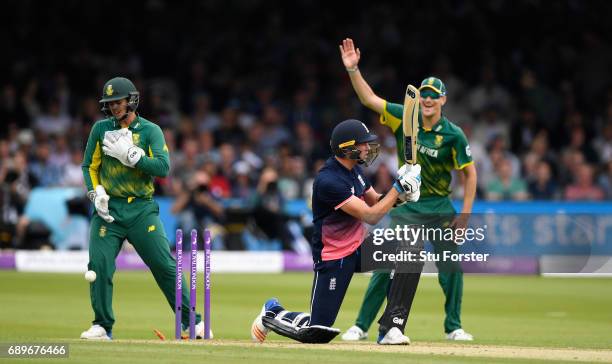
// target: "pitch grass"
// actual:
[[498, 310]]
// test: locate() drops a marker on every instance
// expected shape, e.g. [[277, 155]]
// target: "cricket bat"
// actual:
[[410, 123]]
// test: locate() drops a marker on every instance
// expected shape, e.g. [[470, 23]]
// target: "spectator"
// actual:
[[25, 179], [540, 98], [292, 177], [275, 130], [229, 131], [496, 151], [204, 118], [605, 180], [524, 131], [72, 171], [578, 142], [491, 126], [5, 158], [583, 188], [196, 206], [543, 187], [11, 110], [53, 121], [268, 213], [603, 143], [60, 154], [29, 100], [12, 203], [88, 114], [242, 187], [303, 109], [570, 159], [504, 186], [306, 144], [488, 92], [227, 158], [186, 162], [220, 185], [47, 173]]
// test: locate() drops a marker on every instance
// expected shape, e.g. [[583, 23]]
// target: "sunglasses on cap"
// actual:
[[430, 93]]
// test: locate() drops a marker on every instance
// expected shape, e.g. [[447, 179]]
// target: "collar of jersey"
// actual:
[[134, 125], [343, 168], [438, 123]]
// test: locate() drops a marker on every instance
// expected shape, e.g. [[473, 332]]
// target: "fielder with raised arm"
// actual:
[[441, 147]]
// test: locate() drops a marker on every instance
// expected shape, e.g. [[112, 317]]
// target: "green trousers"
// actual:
[[450, 276], [138, 222]]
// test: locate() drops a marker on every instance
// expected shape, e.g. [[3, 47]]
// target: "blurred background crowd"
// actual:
[[247, 94]]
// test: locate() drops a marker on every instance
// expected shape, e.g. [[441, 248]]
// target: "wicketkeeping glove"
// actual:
[[122, 148], [100, 198]]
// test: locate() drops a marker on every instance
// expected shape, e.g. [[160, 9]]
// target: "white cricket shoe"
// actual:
[[354, 334], [96, 332], [199, 329], [459, 335], [394, 337], [258, 330]]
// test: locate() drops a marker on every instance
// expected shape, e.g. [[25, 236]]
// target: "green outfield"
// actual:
[[514, 319]]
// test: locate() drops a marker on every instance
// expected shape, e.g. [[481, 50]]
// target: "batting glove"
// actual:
[[408, 182]]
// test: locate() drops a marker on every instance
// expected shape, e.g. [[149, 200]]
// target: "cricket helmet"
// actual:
[[347, 135], [119, 88]]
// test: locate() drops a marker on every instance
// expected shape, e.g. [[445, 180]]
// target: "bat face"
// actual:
[[410, 123]]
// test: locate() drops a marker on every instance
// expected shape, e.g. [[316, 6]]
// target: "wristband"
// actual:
[[91, 195], [353, 69], [398, 187]]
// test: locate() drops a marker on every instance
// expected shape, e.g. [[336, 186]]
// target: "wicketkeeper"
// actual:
[[124, 153]]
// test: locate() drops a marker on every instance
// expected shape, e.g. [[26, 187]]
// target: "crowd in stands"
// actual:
[[247, 106]]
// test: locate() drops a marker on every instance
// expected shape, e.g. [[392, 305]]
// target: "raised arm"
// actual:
[[350, 58]]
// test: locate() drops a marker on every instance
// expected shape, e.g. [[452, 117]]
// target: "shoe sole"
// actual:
[[402, 343], [462, 339], [96, 338], [352, 339]]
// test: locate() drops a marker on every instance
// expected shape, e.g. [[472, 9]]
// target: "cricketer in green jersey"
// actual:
[[441, 147], [123, 155]]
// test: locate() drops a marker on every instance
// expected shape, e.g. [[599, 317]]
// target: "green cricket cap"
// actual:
[[435, 84]]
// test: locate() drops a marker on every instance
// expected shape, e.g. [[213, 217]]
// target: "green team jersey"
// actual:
[[117, 179], [440, 149]]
